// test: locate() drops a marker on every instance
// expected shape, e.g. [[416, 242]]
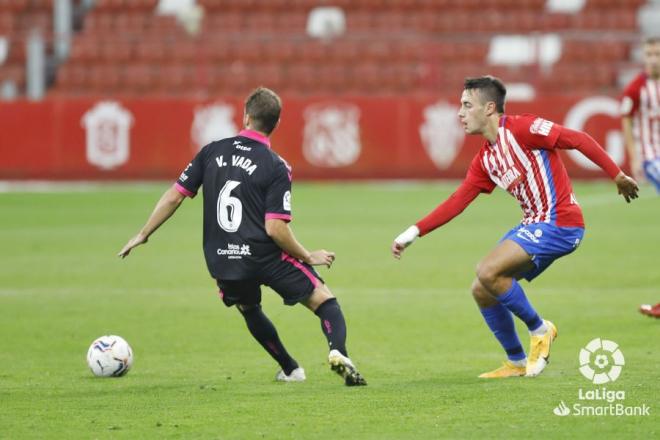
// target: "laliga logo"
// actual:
[[601, 361]]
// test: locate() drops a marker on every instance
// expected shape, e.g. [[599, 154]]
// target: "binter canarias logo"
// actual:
[[601, 361]]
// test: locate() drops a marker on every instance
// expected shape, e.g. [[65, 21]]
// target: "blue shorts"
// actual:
[[652, 171], [544, 243]]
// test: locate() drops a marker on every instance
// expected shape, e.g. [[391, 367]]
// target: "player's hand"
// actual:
[[627, 186], [404, 240], [397, 250], [133, 242], [321, 258]]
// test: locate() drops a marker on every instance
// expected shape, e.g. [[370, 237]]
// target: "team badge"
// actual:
[[332, 135], [286, 201], [541, 126], [441, 133], [107, 127]]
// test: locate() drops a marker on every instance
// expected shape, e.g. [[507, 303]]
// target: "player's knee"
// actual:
[[320, 295], [479, 292], [487, 275]]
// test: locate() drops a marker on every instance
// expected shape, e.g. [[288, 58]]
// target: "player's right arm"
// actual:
[[629, 106], [281, 233], [476, 182], [443, 213], [189, 182], [628, 138], [166, 206]]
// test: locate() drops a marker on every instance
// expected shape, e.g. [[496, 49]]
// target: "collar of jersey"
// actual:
[[255, 136], [501, 124]]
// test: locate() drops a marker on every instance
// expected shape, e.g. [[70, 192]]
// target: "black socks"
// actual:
[[265, 333], [333, 325]]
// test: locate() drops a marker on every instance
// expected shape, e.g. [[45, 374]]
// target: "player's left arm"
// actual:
[[543, 134], [281, 233], [585, 144], [278, 216], [166, 206]]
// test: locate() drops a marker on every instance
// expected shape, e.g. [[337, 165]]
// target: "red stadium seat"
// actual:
[[118, 52], [103, 79], [7, 23], [390, 46]]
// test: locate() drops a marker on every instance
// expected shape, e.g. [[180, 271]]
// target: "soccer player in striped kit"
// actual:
[[640, 116], [520, 156]]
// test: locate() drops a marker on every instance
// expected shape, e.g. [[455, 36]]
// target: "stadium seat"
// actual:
[[390, 46]]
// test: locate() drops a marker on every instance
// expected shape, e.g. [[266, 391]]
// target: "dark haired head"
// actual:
[[264, 107], [652, 40], [490, 89]]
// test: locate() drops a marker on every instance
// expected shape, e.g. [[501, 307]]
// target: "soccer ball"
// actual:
[[110, 355]]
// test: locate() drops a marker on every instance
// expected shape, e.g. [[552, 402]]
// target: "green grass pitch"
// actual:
[[413, 328]]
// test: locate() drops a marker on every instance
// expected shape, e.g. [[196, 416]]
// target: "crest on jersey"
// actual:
[[332, 135], [212, 122], [441, 133], [107, 127], [286, 201], [541, 126]]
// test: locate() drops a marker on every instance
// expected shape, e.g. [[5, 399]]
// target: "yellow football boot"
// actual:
[[508, 369], [539, 350]]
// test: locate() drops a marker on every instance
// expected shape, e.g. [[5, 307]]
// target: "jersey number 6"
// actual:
[[230, 209]]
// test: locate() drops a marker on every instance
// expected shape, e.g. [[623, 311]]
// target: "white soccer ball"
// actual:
[[110, 355]]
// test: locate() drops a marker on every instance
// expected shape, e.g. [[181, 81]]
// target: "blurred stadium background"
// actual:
[[130, 89]]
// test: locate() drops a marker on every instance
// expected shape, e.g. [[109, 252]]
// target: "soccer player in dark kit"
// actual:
[[247, 238]]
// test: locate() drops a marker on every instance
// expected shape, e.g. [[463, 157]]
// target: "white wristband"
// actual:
[[408, 236]]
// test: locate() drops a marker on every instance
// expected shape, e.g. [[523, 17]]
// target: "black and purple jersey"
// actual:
[[244, 183]]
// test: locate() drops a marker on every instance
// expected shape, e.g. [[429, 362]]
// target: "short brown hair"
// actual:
[[651, 40], [264, 107], [491, 88]]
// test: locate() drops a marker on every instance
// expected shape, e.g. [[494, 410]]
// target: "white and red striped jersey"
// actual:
[[641, 101], [525, 163]]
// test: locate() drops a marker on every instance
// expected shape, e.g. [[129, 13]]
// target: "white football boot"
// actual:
[[297, 375]]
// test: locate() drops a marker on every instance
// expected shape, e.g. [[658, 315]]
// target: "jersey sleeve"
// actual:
[[450, 208], [192, 177], [476, 182], [630, 98], [278, 195], [478, 177], [535, 132], [585, 144]]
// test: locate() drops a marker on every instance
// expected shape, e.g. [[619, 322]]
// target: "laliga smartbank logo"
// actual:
[[601, 362]]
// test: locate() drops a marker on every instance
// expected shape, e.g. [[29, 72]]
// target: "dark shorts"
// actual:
[[292, 279]]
